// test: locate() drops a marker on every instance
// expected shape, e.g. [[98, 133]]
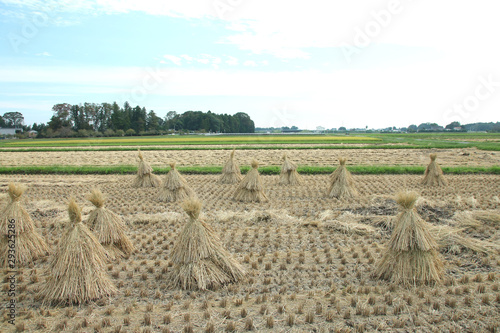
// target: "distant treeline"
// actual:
[[105, 119]]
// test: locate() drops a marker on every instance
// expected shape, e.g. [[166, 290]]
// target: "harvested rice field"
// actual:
[[309, 258], [310, 157]]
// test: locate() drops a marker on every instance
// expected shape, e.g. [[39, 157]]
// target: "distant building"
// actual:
[[32, 134], [9, 131]]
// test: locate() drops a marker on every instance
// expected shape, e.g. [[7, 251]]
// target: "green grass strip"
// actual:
[[267, 170]]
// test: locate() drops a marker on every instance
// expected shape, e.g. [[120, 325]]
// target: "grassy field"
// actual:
[[190, 140], [267, 170], [483, 141]]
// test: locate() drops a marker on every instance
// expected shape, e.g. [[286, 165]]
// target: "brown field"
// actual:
[[309, 258], [311, 157]]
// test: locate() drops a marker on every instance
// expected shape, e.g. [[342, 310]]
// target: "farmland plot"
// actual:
[[309, 259], [310, 157]]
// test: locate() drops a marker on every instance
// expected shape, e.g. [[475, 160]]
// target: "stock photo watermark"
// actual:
[[486, 87], [364, 36], [151, 80], [31, 28], [11, 272], [224, 6], [282, 117]]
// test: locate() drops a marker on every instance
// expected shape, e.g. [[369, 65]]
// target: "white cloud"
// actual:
[[44, 54], [95, 7], [286, 29], [176, 60], [186, 57], [249, 63], [232, 61]]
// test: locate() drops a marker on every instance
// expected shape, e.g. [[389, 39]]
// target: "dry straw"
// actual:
[[411, 256], [250, 188], [342, 183], [200, 260], [175, 187], [145, 176], [451, 240], [289, 174], [433, 175], [231, 173], [77, 272], [108, 226], [17, 227]]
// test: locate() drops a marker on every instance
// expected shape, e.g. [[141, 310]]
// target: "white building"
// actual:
[[9, 131]]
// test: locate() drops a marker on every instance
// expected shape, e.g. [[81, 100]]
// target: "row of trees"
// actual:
[[455, 126], [90, 119], [210, 122]]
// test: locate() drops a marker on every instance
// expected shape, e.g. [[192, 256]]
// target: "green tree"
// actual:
[[138, 119], [153, 122], [127, 116], [452, 125], [246, 123], [109, 132], [412, 128], [62, 111], [103, 117], [13, 119], [55, 123]]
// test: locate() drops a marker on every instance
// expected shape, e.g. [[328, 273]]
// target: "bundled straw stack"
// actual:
[[342, 183], [200, 260], [433, 174], [145, 176], [412, 253], [175, 187], [231, 173], [17, 229], [108, 227], [77, 273], [289, 174], [250, 188]]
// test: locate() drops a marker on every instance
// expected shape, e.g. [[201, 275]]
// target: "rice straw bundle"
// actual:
[[250, 188], [411, 256], [433, 175], [28, 244], [341, 182], [289, 174], [108, 226], [487, 217], [231, 173], [200, 260], [145, 176], [77, 272], [175, 187], [450, 240], [350, 227]]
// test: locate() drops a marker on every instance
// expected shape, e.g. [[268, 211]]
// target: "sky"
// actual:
[[328, 63]]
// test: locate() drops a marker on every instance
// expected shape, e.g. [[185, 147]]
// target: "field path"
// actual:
[[310, 157]]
